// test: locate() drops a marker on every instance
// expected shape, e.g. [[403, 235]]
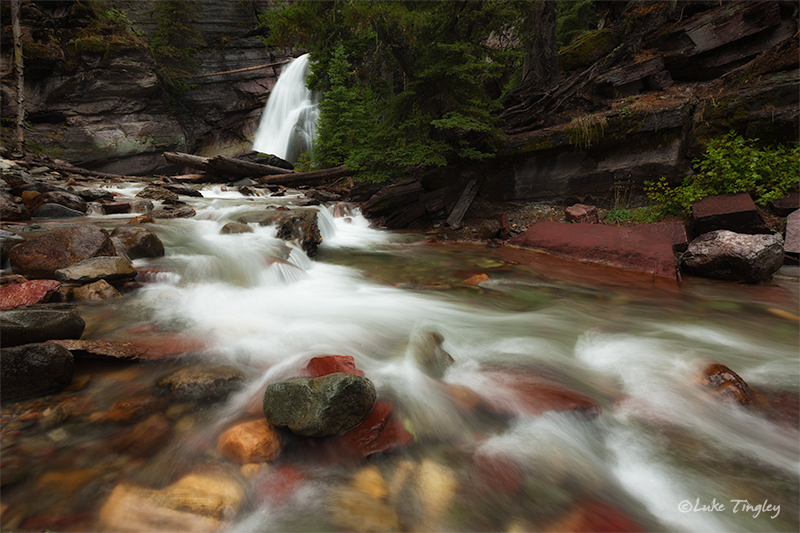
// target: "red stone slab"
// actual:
[[733, 212], [28, 293], [635, 249]]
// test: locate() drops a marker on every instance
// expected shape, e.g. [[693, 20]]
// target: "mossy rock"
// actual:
[[587, 49]]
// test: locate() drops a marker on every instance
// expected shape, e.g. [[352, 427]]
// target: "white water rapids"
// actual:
[[263, 306]]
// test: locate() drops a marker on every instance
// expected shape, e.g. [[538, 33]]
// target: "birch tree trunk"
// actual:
[[17, 32]]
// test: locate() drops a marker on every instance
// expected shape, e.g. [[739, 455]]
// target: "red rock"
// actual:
[[498, 474], [380, 432], [168, 345], [330, 364], [505, 226], [31, 292], [73, 522], [476, 280], [783, 207], [533, 395], [64, 198], [42, 256], [783, 407], [115, 349], [677, 232], [792, 240], [632, 249], [595, 516], [581, 213], [112, 208], [733, 212], [250, 442], [280, 483], [134, 408]]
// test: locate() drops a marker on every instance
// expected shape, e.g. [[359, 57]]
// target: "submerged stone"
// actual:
[[201, 382], [34, 370]]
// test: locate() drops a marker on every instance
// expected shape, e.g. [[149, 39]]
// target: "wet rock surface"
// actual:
[[40, 257], [733, 256], [28, 293], [40, 324], [34, 370], [137, 242], [111, 269], [319, 407], [201, 382]]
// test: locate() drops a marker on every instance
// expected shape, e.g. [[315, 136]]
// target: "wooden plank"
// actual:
[[460, 209]]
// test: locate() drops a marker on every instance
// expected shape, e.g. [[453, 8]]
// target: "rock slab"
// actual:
[[28, 293], [733, 256], [111, 269], [42, 256], [34, 370], [635, 249], [137, 242], [733, 212], [319, 407]]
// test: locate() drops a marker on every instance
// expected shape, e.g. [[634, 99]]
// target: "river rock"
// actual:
[[429, 355], [330, 364], [732, 212], [783, 207], [201, 382], [183, 211], [379, 432], [182, 190], [586, 214], [54, 211], [110, 269], [300, 226], [733, 256], [489, 229], [134, 407], [153, 192], [143, 439], [250, 442], [94, 194], [319, 407], [58, 197], [235, 227], [8, 240], [24, 326], [364, 505], [28, 293], [40, 257], [11, 210], [34, 370], [726, 384], [99, 290], [115, 208], [199, 501], [94, 348], [137, 242]]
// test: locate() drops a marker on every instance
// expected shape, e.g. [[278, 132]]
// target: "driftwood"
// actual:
[[264, 174], [223, 164], [85, 171], [460, 209]]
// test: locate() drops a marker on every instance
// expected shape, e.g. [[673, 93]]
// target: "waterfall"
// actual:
[[289, 121]]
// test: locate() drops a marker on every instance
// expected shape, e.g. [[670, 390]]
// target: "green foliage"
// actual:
[[404, 83], [174, 42], [574, 19], [641, 215], [732, 164]]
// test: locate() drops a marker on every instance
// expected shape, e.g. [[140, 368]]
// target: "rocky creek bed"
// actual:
[[238, 357]]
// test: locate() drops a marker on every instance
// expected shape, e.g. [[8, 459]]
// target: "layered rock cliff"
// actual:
[[93, 96]]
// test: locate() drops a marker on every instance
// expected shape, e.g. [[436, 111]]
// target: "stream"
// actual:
[[654, 451]]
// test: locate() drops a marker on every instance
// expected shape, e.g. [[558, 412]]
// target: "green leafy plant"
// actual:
[[732, 164]]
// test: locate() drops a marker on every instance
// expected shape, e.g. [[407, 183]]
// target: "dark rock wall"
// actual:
[[93, 97]]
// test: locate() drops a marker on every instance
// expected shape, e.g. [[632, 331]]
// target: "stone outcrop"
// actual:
[[42, 256], [637, 249], [34, 370], [319, 407], [726, 255]]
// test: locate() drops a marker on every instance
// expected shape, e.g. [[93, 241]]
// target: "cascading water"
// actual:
[[653, 454], [289, 121]]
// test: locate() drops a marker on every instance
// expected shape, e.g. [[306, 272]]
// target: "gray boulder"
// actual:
[[723, 254], [154, 192], [34, 370], [51, 211], [11, 209], [319, 407], [25, 326], [110, 269], [201, 382]]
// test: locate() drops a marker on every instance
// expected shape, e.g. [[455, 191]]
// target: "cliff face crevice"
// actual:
[[93, 96]]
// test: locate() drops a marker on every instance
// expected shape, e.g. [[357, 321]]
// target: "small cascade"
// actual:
[[289, 121]]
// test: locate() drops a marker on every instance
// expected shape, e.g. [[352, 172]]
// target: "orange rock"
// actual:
[[250, 442], [134, 408], [145, 437], [476, 279], [724, 383]]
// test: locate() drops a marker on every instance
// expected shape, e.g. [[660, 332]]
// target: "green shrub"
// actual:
[[732, 164]]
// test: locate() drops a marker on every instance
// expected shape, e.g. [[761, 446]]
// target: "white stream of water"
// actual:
[[288, 123], [262, 305]]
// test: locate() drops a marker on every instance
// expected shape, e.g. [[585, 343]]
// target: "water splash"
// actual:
[[289, 122]]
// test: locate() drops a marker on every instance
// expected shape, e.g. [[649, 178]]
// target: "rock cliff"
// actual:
[[93, 96]]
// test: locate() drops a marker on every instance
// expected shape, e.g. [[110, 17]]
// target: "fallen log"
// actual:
[[461, 207], [222, 164], [85, 171], [301, 178]]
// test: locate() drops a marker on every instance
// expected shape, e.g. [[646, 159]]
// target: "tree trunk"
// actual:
[[544, 70], [222, 164], [303, 178], [17, 32]]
